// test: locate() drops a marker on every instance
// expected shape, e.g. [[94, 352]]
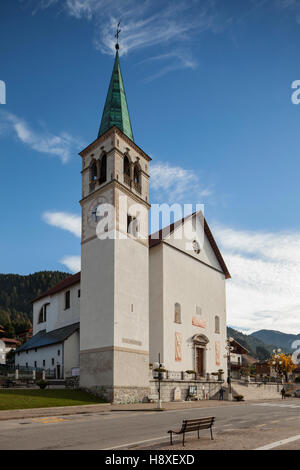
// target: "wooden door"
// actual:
[[199, 361]]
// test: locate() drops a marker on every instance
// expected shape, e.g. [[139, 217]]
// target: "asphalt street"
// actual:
[[238, 426]]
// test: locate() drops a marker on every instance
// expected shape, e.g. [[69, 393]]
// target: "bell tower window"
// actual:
[[93, 172], [137, 178], [103, 166], [126, 170]]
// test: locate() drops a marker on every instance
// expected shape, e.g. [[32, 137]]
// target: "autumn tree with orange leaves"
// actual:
[[282, 363]]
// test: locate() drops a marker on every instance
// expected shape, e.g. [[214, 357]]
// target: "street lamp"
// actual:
[[229, 348], [158, 365], [277, 363]]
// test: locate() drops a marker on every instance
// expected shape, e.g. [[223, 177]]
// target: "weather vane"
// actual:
[[117, 36]]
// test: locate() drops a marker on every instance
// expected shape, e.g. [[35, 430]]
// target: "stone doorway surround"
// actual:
[[200, 341]]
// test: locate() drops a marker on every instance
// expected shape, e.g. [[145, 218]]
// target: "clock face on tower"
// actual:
[[93, 216]]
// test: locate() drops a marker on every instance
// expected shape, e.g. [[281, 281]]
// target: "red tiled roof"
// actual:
[[69, 281], [10, 340], [157, 237]]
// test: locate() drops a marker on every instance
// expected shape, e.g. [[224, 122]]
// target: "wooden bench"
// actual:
[[189, 425]]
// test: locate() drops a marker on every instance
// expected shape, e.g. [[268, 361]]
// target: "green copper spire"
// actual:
[[115, 111]]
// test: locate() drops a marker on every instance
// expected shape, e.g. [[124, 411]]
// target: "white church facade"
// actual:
[[137, 295]]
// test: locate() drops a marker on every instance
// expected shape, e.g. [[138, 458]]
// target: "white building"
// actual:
[[6, 345], [136, 296]]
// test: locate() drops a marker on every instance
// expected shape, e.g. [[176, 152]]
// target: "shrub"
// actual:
[[297, 379], [239, 397], [190, 371], [42, 384], [159, 370], [288, 395]]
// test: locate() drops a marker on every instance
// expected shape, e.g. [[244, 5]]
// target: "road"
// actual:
[[238, 426]]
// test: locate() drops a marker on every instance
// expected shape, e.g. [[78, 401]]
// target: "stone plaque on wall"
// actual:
[[178, 346], [177, 394]]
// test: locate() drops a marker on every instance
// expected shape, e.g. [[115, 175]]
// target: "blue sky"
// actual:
[[208, 85]]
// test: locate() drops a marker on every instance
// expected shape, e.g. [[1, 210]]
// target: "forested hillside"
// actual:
[[257, 348], [279, 339], [16, 294]]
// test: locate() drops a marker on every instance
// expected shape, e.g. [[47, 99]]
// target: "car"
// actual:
[[297, 393]]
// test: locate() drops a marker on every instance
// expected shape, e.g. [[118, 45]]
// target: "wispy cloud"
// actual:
[[174, 60], [73, 263], [264, 291], [176, 184], [145, 23], [61, 145], [64, 220], [71, 223]]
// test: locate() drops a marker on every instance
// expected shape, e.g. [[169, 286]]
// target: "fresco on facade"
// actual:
[[196, 321], [178, 342], [218, 356]]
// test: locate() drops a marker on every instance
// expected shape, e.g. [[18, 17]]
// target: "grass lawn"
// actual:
[[21, 399]]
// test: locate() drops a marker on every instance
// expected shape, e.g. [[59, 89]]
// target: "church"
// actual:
[[137, 295]]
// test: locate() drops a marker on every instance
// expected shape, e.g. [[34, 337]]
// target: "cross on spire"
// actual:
[[117, 35]]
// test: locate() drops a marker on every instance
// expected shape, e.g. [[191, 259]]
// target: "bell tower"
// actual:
[[114, 309]]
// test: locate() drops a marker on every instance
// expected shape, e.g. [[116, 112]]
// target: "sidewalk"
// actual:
[[108, 407]]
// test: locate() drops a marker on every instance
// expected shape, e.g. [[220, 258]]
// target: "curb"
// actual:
[[53, 411]]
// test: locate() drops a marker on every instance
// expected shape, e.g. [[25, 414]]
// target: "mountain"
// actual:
[[276, 338], [256, 347], [16, 294]]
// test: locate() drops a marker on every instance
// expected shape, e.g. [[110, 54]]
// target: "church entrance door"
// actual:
[[200, 361]]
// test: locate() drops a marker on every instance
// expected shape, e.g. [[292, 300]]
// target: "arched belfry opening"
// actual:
[[126, 170], [93, 171], [103, 169]]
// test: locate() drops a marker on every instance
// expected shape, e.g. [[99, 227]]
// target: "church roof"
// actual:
[[157, 237], [42, 338], [68, 282], [115, 111]]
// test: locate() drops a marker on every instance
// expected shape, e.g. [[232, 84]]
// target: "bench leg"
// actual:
[[171, 438], [211, 433], [183, 439], [198, 434]]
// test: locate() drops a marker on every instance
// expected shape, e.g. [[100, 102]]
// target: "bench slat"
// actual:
[[198, 421]]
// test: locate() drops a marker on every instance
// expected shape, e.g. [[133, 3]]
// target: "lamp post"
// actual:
[[229, 348], [160, 365], [277, 363]]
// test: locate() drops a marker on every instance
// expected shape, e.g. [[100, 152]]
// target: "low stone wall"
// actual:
[[206, 390], [120, 395], [72, 382], [259, 390]]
